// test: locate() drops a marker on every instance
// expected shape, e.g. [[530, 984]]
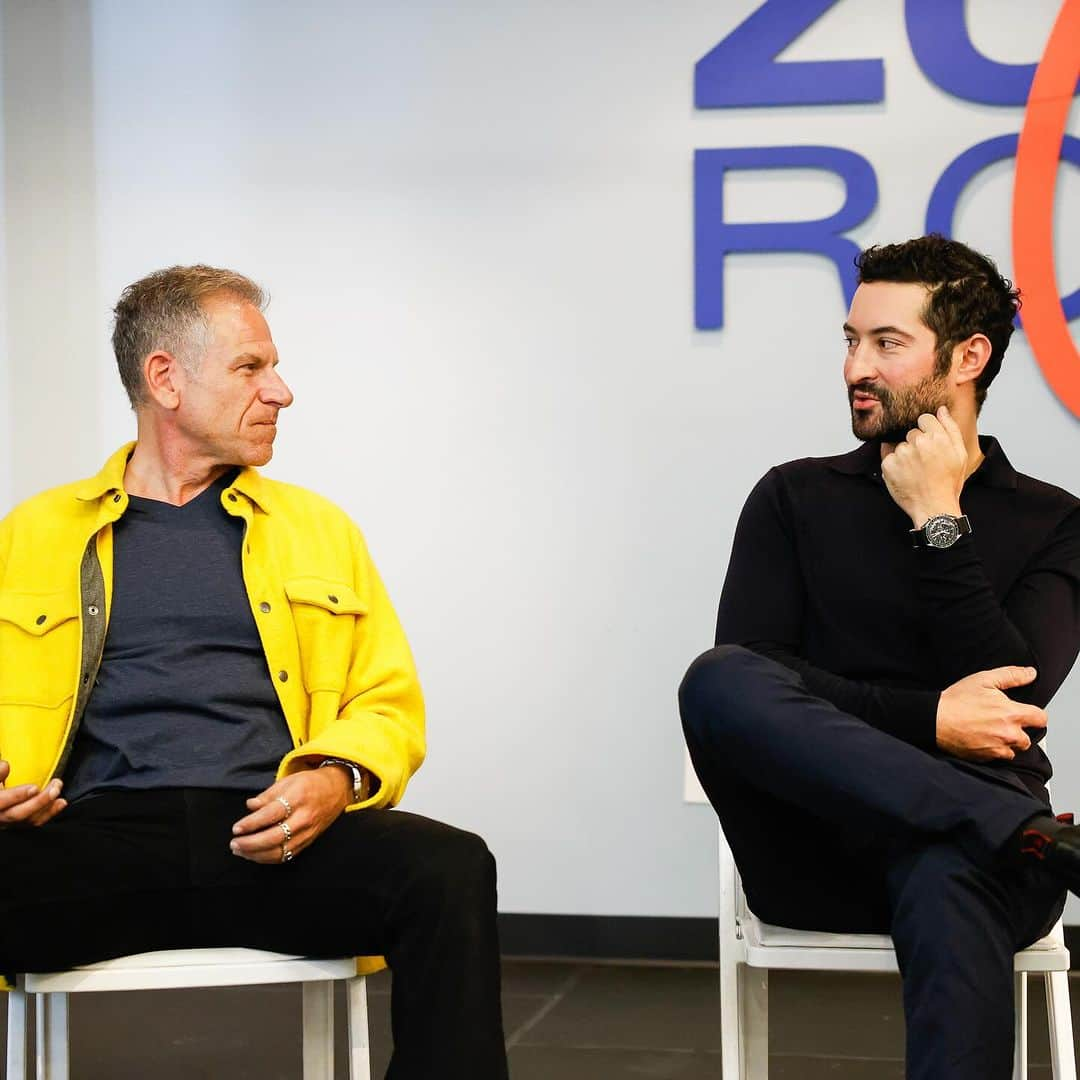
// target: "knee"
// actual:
[[459, 866], [711, 686]]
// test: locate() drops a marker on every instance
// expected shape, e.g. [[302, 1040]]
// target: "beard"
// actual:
[[899, 410]]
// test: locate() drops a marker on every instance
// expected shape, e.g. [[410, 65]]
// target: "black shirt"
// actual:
[[823, 578], [183, 697]]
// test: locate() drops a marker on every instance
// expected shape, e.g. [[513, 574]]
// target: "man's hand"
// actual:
[[977, 721], [926, 472], [26, 804], [316, 796]]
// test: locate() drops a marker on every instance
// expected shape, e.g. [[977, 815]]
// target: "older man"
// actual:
[[208, 707]]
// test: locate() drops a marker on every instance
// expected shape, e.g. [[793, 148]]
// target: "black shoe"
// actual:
[[1055, 842]]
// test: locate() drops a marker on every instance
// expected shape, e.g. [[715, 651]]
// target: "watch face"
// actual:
[[942, 531]]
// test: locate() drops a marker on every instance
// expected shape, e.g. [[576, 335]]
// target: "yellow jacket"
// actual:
[[336, 652], [339, 660]]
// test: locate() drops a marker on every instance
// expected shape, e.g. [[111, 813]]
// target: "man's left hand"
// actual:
[[316, 798], [925, 474]]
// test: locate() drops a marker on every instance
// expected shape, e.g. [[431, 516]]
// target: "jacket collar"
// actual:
[[111, 479], [995, 470]]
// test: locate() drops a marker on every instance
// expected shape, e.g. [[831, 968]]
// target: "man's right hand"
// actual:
[[26, 804], [976, 720]]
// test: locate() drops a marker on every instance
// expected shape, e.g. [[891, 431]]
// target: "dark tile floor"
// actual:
[[564, 1021]]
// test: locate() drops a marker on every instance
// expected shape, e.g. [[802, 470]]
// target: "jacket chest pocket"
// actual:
[[39, 647], [326, 614]]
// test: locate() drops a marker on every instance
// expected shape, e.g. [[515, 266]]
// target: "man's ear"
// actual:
[[970, 358], [164, 379]]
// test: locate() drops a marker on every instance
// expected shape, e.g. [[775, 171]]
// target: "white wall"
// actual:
[[52, 326], [6, 442], [475, 222]]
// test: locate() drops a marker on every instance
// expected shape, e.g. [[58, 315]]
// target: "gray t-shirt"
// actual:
[[183, 697]]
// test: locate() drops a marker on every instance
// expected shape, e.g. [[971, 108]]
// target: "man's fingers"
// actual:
[[1004, 678], [270, 814], [1033, 716], [266, 846], [1020, 740], [950, 425], [5, 769], [886, 449], [24, 810], [43, 816], [12, 797]]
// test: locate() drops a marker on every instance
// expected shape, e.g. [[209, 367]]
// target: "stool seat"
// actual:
[[188, 968]]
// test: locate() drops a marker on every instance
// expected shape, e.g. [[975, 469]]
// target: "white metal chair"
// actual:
[[749, 947], [191, 968]]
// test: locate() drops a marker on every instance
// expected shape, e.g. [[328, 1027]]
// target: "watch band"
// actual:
[[359, 776], [941, 531]]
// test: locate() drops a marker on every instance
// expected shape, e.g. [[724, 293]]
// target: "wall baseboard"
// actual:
[[609, 937], [633, 937]]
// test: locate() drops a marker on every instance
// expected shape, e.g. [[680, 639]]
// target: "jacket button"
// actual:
[[283, 676], [93, 609], [116, 497], [332, 598], [264, 607], [232, 497], [40, 619]]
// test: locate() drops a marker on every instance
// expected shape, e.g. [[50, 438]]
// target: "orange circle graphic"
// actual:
[[1037, 161]]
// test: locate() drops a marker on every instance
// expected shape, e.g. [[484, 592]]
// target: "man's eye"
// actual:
[[885, 343], [850, 342]]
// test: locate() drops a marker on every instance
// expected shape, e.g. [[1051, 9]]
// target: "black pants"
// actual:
[[837, 826], [127, 872]]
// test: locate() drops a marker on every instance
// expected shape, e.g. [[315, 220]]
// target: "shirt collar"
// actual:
[[111, 479], [995, 470]]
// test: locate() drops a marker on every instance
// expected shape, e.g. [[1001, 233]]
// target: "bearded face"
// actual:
[[887, 415], [893, 370]]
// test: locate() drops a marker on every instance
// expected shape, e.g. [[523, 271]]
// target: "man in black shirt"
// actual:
[[893, 622]]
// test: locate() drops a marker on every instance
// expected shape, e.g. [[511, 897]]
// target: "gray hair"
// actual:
[[164, 310]]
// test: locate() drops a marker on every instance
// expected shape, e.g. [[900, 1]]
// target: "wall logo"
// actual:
[[742, 70]]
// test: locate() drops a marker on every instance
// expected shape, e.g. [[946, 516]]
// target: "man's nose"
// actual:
[[277, 392], [858, 365]]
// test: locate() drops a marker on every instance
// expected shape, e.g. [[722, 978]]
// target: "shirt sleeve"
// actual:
[[1037, 625], [762, 608]]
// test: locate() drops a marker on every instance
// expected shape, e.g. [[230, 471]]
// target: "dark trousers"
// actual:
[[837, 826], [127, 872]]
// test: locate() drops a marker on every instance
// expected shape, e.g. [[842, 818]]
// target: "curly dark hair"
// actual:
[[968, 295]]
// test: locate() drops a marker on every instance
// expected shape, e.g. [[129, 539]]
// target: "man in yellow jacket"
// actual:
[[208, 707]]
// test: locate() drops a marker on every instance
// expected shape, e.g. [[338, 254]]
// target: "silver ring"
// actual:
[[286, 854], [285, 802], [285, 831]]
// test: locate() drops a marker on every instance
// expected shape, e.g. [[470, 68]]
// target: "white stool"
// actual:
[[191, 968], [749, 948]]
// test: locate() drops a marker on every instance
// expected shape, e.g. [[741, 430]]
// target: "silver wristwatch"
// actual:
[[358, 778], [941, 531]]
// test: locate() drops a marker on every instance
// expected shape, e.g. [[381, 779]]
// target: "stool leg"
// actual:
[[318, 1031], [16, 1035], [754, 1022], [359, 1051], [1059, 1015], [52, 1036], [1020, 1069]]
